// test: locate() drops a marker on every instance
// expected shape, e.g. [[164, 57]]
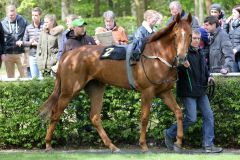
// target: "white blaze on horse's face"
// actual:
[[182, 43], [181, 48]]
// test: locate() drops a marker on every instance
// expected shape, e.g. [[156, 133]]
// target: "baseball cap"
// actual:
[[216, 7], [78, 22]]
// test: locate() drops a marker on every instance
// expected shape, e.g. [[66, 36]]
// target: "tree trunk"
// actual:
[[145, 5], [64, 9], [208, 4], [139, 4], [201, 14], [96, 8], [110, 4], [196, 6]]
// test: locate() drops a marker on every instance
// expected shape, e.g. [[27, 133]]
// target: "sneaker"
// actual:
[[168, 140], [212, 149]]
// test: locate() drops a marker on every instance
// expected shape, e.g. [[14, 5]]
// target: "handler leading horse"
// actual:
[[155, 75]]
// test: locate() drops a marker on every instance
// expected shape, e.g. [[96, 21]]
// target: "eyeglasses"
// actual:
[[196, 38]]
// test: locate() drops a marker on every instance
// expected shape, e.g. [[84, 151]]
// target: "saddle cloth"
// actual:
[[114, 52]]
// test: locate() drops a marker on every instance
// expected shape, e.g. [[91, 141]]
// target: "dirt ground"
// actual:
[[124, 150]]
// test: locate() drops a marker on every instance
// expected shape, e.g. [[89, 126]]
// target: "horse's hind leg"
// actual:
[[170, 101], [63, 101], [95, 90]]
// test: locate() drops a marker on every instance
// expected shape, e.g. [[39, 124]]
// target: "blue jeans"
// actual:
[[236, 65], [191, 104], [34, 67]]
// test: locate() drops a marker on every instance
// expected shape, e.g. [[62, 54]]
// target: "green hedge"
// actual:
[[20, 125]]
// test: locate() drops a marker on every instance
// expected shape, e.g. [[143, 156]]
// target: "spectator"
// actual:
[[14, 26], [176, 8], [159, 22], [220, 50], [48, 44], [232, 27], [142, 34], [204, 44], [119, 35], [1, 43], [193, 77], [31, 38], [77, 36], [216, 10], [69, 20]]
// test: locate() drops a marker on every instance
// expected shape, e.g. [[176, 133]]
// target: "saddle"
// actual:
[[114, 52], [118, 52]]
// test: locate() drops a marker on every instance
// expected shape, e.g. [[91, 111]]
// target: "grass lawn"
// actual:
[[109, 156]]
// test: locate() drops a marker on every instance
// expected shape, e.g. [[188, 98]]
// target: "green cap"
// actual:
[[78, 22]]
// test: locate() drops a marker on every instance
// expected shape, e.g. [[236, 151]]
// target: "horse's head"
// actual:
[[182, 31]]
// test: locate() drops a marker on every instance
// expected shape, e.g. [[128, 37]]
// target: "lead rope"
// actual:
[[189, 80]]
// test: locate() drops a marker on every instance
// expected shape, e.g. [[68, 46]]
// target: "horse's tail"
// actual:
[[49, 106]]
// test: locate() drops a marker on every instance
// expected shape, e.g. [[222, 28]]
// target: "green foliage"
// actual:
[[20, 125]]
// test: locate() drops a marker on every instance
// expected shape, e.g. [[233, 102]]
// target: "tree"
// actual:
[[198, 4], [208, 4], [139, 6], [64, 8], [96, 8]]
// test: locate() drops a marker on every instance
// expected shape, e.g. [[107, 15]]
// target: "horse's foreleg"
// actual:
[[95, 90], [170, 101], [146, 99], [62, 103]]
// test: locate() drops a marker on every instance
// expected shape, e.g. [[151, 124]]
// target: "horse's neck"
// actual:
[[165, 47]]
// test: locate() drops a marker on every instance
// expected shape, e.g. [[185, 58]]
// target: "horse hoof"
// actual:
[[49, 149], [177, 148], [116, 150], [144, 149]]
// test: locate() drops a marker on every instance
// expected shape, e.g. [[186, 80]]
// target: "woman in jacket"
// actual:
[[1, 43], [118, 32], [49, 42], [232, 27]]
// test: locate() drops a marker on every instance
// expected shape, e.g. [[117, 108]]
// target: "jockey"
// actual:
[[142, 34]]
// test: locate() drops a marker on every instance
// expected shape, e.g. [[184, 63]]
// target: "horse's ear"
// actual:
[[189, 18], [178, 18]]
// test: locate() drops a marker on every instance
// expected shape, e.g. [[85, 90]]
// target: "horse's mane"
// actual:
[[162, 32]]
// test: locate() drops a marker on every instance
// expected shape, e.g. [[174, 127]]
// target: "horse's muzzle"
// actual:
[[181, 60]]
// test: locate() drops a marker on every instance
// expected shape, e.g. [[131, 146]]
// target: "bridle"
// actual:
[[172, 65]]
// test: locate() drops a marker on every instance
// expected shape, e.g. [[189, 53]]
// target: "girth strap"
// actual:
[[129, 67]]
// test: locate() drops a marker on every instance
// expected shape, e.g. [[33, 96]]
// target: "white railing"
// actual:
[[235, 74], [5, 79]]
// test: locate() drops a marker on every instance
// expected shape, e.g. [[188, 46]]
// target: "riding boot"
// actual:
[[135, 57]]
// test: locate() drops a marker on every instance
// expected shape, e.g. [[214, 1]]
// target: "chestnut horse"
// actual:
[[154, 76]]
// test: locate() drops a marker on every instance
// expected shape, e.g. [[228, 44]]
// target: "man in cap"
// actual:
[[77, 36]]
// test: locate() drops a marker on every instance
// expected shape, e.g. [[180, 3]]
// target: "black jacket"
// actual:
[[192, 81], [1, 40], [74, 42], [13, 31]]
